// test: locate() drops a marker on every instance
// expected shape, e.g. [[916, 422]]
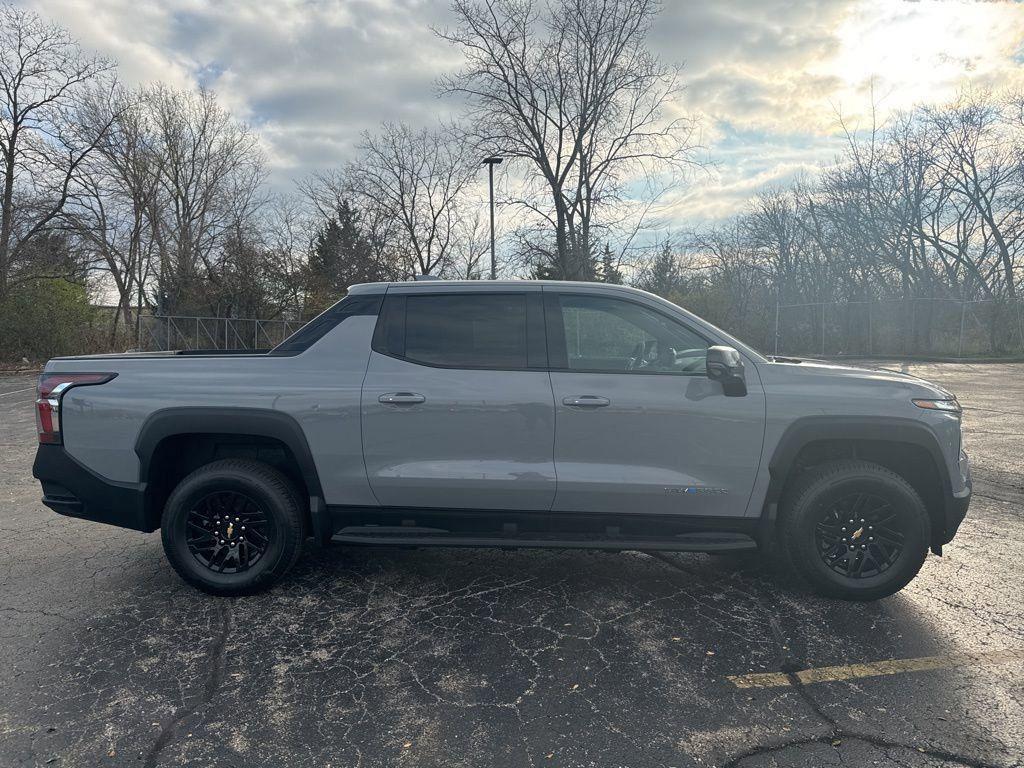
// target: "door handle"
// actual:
[[586, 401], [401, 398]]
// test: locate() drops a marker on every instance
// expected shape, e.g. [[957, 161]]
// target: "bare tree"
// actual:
[[210, 175], [43, 73], [571, 88], [981, 163], [418, 180], [472, 245], [118, 186]]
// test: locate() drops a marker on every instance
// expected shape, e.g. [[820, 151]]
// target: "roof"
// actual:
[[507, 285]]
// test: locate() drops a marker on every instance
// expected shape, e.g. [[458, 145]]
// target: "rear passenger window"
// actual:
[[467, 331]]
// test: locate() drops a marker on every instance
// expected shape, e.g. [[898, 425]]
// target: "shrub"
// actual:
[[40, 319]]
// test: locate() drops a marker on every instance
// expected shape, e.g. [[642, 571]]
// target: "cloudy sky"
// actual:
[[767, 78]]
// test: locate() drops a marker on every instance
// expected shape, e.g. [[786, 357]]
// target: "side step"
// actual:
[[415, 536]]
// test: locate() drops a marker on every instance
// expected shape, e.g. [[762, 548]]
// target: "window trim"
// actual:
[[389, 333], [558, 357], [353, 305]]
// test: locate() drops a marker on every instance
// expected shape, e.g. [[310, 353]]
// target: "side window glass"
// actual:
[[614, 336], [467, 331]]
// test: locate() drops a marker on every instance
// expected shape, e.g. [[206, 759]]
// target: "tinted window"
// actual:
[[614, 336], [467, 331]]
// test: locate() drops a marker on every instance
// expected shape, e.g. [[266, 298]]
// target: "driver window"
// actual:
[[614, 336]]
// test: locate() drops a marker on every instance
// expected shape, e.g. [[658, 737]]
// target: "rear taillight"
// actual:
[[51, 387]]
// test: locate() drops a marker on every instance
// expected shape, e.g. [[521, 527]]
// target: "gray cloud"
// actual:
[[312, 74]]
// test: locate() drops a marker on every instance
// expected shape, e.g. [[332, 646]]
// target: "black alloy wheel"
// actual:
[[228, 532], [233, 526], [860, 536], [854, 529]]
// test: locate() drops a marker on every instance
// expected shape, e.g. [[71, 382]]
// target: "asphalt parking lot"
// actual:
[[380, 657]]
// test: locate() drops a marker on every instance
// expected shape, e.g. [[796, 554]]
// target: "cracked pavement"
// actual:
[[452, 657]]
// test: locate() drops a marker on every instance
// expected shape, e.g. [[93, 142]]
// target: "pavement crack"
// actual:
[[789, 666], [215, 663]]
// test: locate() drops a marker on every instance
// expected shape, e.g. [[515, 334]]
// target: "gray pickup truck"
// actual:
[[507, 414]]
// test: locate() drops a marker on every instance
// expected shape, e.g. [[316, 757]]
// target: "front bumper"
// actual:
[[76, 491], [957, 502]]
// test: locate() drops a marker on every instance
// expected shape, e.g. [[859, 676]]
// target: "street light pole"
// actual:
[[490, 162]]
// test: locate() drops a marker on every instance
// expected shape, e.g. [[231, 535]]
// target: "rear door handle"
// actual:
[[586, 401], [401, 398]]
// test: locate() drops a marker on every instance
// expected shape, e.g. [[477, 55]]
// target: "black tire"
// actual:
[[854, 530], [213, 555]]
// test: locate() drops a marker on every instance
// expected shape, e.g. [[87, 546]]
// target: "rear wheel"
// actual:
[[855, 530], [233, 527]]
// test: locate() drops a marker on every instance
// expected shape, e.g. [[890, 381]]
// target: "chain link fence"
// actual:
[[901, 327], [161, 333], [885, 328]]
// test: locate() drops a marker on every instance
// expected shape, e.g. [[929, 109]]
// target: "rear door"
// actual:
[[639, 427], [456, 406]]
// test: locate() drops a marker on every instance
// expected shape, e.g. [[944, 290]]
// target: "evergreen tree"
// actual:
[[608, 272], [341, 255], [546, 272], [663, 276]]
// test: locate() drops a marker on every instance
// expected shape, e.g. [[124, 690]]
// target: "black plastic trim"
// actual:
[[956, 511], [734, 543], [492, 525], [259, 422], [71, 489]]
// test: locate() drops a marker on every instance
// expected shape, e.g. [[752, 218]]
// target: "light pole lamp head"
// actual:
[[493, 160]]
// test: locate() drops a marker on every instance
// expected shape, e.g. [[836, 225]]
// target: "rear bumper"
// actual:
[[74, 490]]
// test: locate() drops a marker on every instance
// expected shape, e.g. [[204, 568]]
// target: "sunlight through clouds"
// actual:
[[925, 51]]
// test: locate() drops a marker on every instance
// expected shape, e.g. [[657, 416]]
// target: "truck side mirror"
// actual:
[[725, 365]]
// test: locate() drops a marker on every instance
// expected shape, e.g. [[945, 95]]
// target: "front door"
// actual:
[[456, 405], [639, 428]]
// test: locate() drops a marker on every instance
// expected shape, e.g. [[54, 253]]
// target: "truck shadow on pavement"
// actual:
[[448, 657]]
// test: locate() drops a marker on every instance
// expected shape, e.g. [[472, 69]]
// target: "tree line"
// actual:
[[929, 205], [158, 197]]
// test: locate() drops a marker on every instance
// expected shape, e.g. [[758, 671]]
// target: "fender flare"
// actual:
[[809, 429], [260, 422]]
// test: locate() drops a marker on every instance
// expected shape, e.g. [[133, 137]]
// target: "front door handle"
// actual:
[[586, 401], [401, 398]]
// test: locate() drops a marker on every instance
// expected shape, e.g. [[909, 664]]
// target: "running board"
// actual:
[[415, 536]]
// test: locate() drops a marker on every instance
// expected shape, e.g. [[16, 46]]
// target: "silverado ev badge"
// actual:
[[696, 490]]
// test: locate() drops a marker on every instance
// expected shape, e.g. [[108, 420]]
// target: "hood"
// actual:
[[869, 376]]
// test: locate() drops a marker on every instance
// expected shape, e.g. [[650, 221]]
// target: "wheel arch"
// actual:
[[904, 446], [166, 432]]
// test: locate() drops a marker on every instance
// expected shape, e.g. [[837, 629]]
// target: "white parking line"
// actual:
[[17, 391]]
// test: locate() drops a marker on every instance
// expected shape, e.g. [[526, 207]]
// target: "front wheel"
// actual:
[[233, 527], [855, 530]]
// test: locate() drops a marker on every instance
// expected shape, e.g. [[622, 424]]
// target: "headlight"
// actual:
[[949, 406]]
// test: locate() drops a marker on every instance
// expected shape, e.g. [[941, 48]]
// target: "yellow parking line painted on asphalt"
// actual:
[[875, 668]]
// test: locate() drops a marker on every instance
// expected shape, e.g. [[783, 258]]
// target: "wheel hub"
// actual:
[[227, 532], [860, 535]]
